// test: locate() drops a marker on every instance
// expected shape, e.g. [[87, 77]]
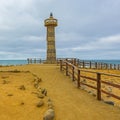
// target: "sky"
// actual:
[[87, 29]]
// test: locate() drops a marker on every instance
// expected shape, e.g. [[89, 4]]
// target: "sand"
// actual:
[[70, 103], [18, 99]]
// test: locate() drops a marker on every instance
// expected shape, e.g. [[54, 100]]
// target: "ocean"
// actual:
[[13, 62], [23, 62]]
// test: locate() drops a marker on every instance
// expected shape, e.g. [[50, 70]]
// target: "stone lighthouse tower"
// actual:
[[51, 23]]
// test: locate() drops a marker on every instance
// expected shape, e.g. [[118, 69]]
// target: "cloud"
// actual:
[[103, 47], [104, 43], [33, 38], [87, 29], [111, 39]]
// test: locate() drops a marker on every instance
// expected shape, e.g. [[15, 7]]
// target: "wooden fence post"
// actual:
[[78, 61], [118, 66], [74, 61], [66, 68], [78, 79], [83, 64], [98, 86], [106, 66], [100, 65], [95, 65], [90, 65], [73, 73], [114, 66], [111, 66], [28, 60]]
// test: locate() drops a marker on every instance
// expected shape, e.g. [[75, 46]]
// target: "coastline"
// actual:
[[23, 62]]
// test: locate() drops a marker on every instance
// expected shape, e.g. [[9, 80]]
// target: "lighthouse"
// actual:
[[50, 23]]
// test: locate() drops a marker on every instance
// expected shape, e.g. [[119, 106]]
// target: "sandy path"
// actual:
[[71, 103]]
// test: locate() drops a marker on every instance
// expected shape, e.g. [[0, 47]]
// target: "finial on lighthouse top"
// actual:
[[51, 15]]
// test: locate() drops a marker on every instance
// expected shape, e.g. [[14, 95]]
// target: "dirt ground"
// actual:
[[70, 103], [18, 99]]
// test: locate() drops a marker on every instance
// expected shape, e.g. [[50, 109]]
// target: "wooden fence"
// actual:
[[71, 60], [97, 65], [35, 60], [79, 63], [90, 64], [77, 75]]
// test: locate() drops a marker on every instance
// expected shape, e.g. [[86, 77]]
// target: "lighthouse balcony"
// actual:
[[49, 22]]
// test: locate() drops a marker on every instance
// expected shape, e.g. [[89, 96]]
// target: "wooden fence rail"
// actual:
[[97, 65], [35, 60], [75, 73], [90, 64]]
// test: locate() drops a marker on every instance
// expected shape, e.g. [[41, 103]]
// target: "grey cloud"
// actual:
[[86, 29]]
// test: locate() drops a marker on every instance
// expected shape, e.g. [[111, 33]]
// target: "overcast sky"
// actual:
[[87, 29]]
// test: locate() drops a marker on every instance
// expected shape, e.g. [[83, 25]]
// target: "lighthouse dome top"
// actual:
[[51, 15], [51, 21]]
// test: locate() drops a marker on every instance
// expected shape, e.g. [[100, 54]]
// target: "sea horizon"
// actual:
[[24, 61]]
